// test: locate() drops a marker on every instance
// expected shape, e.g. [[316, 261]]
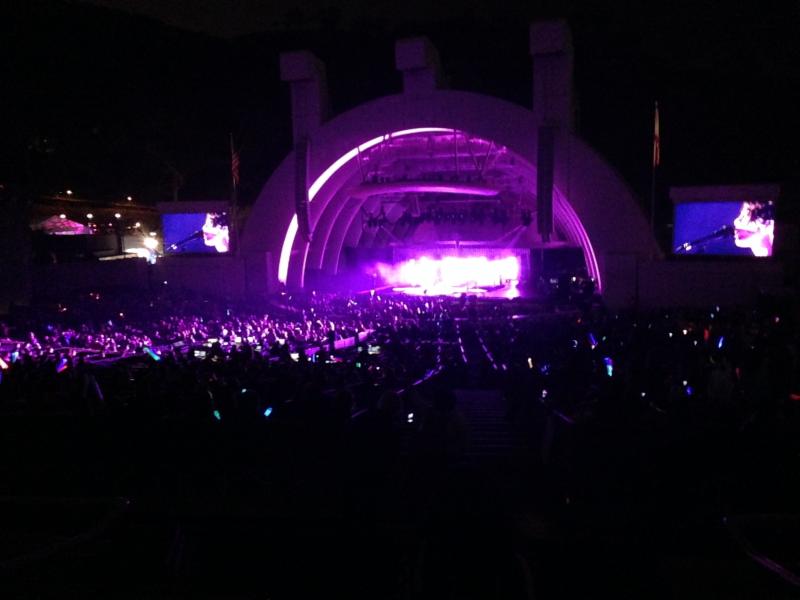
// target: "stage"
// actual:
[[508, 291]]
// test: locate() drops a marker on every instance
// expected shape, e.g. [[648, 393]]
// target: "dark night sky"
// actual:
[[113, 97]]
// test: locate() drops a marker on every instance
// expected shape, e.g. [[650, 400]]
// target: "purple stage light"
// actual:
[[451, 274]]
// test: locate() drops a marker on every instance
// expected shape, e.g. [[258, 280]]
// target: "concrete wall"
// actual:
[[689, 283], [707, 282], [222, 276], [215, 275], [661, 283], [15, 252], [65, 278]]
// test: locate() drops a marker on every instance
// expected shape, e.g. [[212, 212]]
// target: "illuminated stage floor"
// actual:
[[507, 291]]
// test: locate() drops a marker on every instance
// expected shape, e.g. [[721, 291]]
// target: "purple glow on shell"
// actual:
[[314, 188], [452, 272], [563, 210], [365, 190]]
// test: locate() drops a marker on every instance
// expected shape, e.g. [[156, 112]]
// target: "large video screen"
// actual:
[[724, 228], [196, 233]]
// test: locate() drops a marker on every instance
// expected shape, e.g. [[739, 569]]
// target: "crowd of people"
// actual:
[[335, 357], [733, 362], [301, 396]]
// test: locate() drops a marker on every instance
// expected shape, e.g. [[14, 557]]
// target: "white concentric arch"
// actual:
[[325, 176]]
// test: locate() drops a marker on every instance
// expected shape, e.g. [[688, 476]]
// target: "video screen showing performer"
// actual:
[[725, 228], [196, 233], [754, 227]]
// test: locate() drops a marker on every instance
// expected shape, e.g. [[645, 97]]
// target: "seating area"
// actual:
[[462, 447]]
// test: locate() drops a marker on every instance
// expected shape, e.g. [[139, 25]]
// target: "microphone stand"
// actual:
[[195, 236], [721, 233]]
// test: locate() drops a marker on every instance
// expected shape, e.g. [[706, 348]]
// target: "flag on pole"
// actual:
[[234, 165], [656, 141], [234, 210], [656, 162]]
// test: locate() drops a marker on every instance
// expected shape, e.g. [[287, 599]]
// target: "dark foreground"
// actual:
[[490, 479]]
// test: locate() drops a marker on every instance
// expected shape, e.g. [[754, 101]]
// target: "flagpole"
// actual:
[[653, 199], [234, 224], [656, 161]]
